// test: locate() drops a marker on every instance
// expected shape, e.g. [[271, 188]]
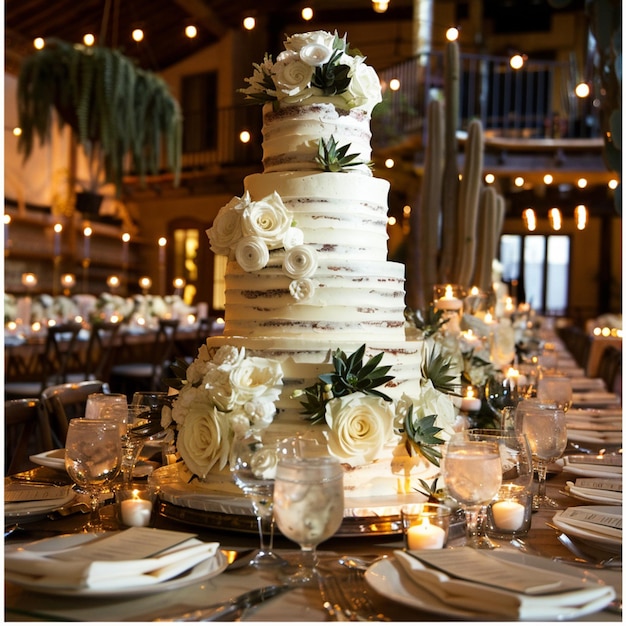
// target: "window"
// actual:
[[199, 108], [537, 268]]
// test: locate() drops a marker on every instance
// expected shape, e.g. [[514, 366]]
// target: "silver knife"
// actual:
[[221, 612]]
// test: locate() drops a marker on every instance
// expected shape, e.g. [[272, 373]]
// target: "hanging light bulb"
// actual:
[[191, 31], [452, 34], [582, 90], [556, 220], [137, 35], [249, 23], [380, 6], [530, 219], [581, 215], [307, 14]]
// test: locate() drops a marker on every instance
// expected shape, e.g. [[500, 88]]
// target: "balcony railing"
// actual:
[[536, 101]]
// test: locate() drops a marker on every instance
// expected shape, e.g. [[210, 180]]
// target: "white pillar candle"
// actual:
[[136, 511], [470, 402], [425, 536], [508, 515]]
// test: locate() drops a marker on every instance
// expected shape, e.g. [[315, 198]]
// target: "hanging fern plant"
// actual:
[[115, 109]]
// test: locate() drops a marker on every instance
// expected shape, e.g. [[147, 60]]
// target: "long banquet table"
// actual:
[[300, 604]]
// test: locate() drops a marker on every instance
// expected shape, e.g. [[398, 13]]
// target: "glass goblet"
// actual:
[[253, 466], [308, 505], [555, 390], [93, 455], [97, 401], [472, 473], [546, 429], [502, 395]]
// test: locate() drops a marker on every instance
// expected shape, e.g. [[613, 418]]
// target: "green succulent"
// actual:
[[437, 368], [429, 321], [334, 158], [350, 375], [422, 437]]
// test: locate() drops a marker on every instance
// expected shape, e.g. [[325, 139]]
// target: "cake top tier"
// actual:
[[315, 67]]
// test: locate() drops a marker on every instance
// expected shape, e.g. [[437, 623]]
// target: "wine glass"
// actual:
[[97, 401], [515, 456], [253, 466], [93, 454], [503, 393], [308, 506], [502, 345], [472, 472], [555, 390], [546, 429]]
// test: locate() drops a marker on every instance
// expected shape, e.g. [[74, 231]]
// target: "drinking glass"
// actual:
[[97, 401], [253, 466], [555, 390], [151, 402], [502, 395], [472, 473], [93, 454], [515, 457], [308, 505], [546, 429]]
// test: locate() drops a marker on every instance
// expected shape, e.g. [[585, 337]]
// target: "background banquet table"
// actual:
[[303, 604]]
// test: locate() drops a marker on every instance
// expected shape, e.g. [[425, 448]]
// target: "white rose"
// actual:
[[260, 412], [256, 377], [291, 75], [187, 397], [434, 402], [228, 357], [315, 54], [263, 463], [268, 219], [203, 440], [299, 40], [300, 262], [219, 390], [364, 90], [252, 254], [360, 425], [227, 229], [302, 290], [239, 423], [293, 237]]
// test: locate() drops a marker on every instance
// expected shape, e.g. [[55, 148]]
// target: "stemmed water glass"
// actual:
[[555, 390], [472, 473], [546, 429], [308, 505], [503, 394], [93, 455], [253, 466]]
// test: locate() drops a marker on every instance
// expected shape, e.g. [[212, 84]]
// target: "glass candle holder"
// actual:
[[425, 526], [135, 504], [509, 515]]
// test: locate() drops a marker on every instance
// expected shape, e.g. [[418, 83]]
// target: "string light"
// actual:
[[582, 90], [249, 23], [17, 131], [581, 183], [307, 13], [548, 178], [519, 181], [380, 6], [394, 84], [137, 35], [613, 183], [517, 61], [191, 31], [389, 163], [452, 34], [490, 179], [39, 43], [89, 39], [244, 136]]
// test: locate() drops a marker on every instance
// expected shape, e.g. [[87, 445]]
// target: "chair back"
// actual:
[[26, 432], [610, 369], [61, 403], [163, 352], [100, 350], [61, 354]]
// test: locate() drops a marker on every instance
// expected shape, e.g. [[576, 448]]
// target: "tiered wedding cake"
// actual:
[[308, 273]]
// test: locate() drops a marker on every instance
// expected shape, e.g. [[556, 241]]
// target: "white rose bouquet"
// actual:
[[221, 394], [315, 65]]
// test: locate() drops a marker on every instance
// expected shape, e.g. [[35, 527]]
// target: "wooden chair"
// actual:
[[101, 350], [26, 432], [59, 357], [148, 375], [61, 403], [610, 369]]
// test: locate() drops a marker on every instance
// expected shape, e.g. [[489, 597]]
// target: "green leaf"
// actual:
[[422, 437], [334, 158]]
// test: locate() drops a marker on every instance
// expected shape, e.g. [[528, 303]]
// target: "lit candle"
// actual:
[[508, 514], [7, 221], [86, 239], [136, 511], [448, 302], [470, 402], [125, 240], [425, 536], [57, 239]]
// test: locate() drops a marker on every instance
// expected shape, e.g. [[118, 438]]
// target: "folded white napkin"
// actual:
[[21, 498], [602, 466], [594, 398], [594, 494], [52, 570], [488, 601], [582, 383], [601, 521]]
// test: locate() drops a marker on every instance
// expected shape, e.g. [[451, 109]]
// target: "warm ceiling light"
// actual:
[[452, 34], [113, 281], [380, 6], [162, 242], [530, 219], [394, 84], [249, 23], [87, 231], [58, 228], [89, 39], [613, 183], [389, 163], [519, 181], [490, 179], [307, 13], [548, 179], [7, 218], [39, 43], [191, 31], [137, 34], [581, 183], [582, 90], [556, 220], [517, 61], [126, 237], [406, 210], [17, 131], [391, 220], [581, 215], [244, 136]]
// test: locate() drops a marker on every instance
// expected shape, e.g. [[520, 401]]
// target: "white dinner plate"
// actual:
[[594, 399], [29, 511], [607, 542], [387, 577], [206, 569], [593, 496], [53, 458]]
